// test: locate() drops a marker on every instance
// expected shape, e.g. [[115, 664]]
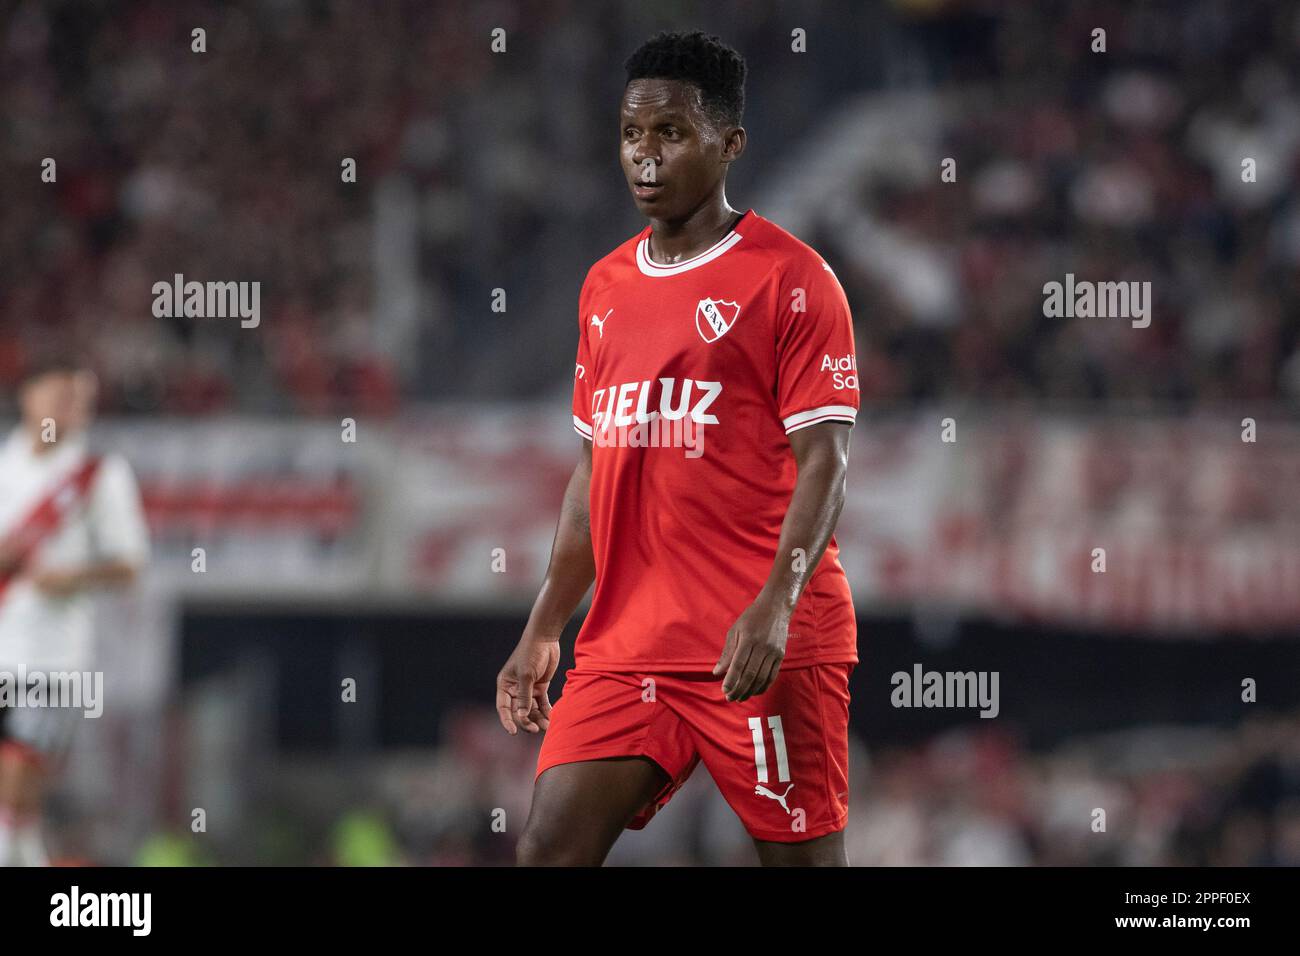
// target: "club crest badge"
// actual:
[[715, 317]]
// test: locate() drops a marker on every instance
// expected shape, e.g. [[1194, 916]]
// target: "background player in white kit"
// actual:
[[70, 522]]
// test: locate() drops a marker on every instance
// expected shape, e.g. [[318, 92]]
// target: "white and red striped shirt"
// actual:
[[42, 632]]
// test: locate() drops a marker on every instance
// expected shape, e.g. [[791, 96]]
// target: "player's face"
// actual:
[[66, 397], [673, 155]]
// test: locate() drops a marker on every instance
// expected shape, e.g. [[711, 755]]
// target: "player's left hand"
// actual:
[[755, 647], [55, 583]]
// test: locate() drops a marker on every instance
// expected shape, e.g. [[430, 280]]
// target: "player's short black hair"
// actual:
[[696, 58], [51, 360]]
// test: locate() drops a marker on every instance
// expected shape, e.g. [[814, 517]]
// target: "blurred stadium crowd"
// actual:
[[222, 165], [225, 165], [1122, 166]]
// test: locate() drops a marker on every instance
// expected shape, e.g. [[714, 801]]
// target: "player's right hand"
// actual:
[[522, 683]]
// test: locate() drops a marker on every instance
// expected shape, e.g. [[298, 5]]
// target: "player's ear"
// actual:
[[733, 143]]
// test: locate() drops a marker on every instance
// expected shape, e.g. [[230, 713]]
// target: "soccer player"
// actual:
[[714, 391], [70, 522]]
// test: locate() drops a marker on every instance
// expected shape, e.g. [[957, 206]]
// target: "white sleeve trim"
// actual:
[[827, 413], [581, 427]]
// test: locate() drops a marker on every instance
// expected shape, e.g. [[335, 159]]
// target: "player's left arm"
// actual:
[[817, 403], [65, 581], [755, 644]]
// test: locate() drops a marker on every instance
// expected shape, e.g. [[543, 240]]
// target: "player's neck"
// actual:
[[675, 241], [39, 445]]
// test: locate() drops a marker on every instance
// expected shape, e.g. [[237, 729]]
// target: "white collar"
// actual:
[[20, 445], [651, 268]]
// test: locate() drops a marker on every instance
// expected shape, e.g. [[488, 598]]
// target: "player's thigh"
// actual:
[[580, 808], [14, 767], [4, 763], [825, 850], [613, 754], [22, 778], [8, 781]]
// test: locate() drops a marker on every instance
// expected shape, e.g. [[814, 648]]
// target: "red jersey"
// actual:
[[689, 379]]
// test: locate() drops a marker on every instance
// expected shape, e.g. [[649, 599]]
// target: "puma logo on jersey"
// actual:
[[600, 323], [615, 405], [715, 317], [762, 791]]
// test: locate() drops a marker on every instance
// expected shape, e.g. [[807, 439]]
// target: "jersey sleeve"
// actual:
[[582, 375], [817, 365], [117, 521]]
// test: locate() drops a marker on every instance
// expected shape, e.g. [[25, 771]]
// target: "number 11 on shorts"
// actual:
[[760, 748]]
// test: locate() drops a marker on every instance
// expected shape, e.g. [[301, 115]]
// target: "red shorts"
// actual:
[[780, 758]]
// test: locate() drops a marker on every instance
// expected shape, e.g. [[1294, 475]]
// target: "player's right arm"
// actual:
[[522, 700]]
